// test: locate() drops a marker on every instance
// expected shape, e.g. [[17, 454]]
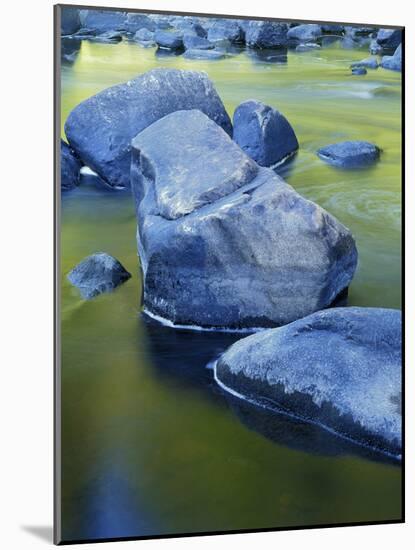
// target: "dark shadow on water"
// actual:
[[277, 55], [70, 49], [43, 532], [188, 356]]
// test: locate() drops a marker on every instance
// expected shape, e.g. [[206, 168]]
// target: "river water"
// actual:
[[150, 445]]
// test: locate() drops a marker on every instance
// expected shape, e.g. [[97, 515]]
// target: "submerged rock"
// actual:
[[224, 242], [100, 128], [96, 274], [340, 368], [263, 133], [393, 62], [368, 63], [70, 168], [305, 33], [266, 34], [204, 54], [350, 154], [70, 20], [359, 70], [169, 40]]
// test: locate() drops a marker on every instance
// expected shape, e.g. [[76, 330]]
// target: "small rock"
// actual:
[[204, 54], [359, 70], [96, 274], [350, 154]]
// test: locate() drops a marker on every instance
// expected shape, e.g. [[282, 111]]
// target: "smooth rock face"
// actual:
[[104, 20], [224, 242], [70, 21], [393, 62], [204, 54], [194, 42], [169, 40], [137, 21], [389, 39], [144, 37], [263, 133], [266, 34], [340, 368], [226, 29], [350, 154], [305, 33], [368, 63], [100, 129], [96, 274], [70, 167]]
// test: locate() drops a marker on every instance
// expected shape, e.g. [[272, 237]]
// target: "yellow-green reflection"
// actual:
[[149, 444]]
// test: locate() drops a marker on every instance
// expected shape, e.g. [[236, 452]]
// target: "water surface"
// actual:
[[150, 444]]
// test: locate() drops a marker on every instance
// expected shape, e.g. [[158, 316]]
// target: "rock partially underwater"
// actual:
[[96, 274], [70, 168], [224, 242], [393, 62], [350, 154], [263, 133], [340, 368], [100, 129]]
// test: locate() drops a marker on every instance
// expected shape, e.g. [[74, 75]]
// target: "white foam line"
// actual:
[[283, 160], [170, 324], [294, 416]]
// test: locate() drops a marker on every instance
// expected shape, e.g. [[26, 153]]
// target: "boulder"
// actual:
[[305, 33], [70, 168], [359, 70], [332, 28], [161, 21], [357, 32], [263, 133], [70, 20], [375, 48], [389, 39], [212, 55], [169, 40], [136, 21], [266, 34], [226, 29], [194, 42], [100, 128], [350, 154], [224, 242], [368, 63], [144, 37], [96, 274], [193, 27], [393, 62], [339, 368], [104, 20]]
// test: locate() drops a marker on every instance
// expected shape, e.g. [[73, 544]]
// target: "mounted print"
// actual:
[[228, 274]]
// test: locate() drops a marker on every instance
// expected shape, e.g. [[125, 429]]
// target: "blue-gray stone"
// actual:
[[100, 129], [136, 21], [169, 40], [224, 242], [107, 37], [212, 55], [226, 29], [144, 37], [309, 47], [375, 48], [190, 26], [96, 274], [332, 28], [358, 32], [350, 154], [368, 63], [104, 20], [70, 167], [389, 39], [359, 70], [305, 33], [70, 20], [339, 368], [266, 34], [263, 133], [194, 42], [393, 62]]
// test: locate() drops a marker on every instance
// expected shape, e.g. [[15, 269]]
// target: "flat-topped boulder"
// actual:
[[104, 20], [263, 133], [340, 368], [100, 129], [266, 34], [224, 242], [169, 40], [209, 55], [350, 154], [70, 168], [96, 274], [195, 42], [305, 33]]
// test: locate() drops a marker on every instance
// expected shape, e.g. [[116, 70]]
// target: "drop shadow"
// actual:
[[43, 532]]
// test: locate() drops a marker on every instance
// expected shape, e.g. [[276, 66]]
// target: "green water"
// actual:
[[149, 444]]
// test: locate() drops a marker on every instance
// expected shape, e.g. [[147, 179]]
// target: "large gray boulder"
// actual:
[[195, 42], [224, 242], [266, 34], [96, 274], [226, 29], [305, 33], [340, 368], [136, 21], [263, 133], [70, 168], [393, 62], [101, 21], [100, 129], [70, 20], [169, 40], [389, 39]]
